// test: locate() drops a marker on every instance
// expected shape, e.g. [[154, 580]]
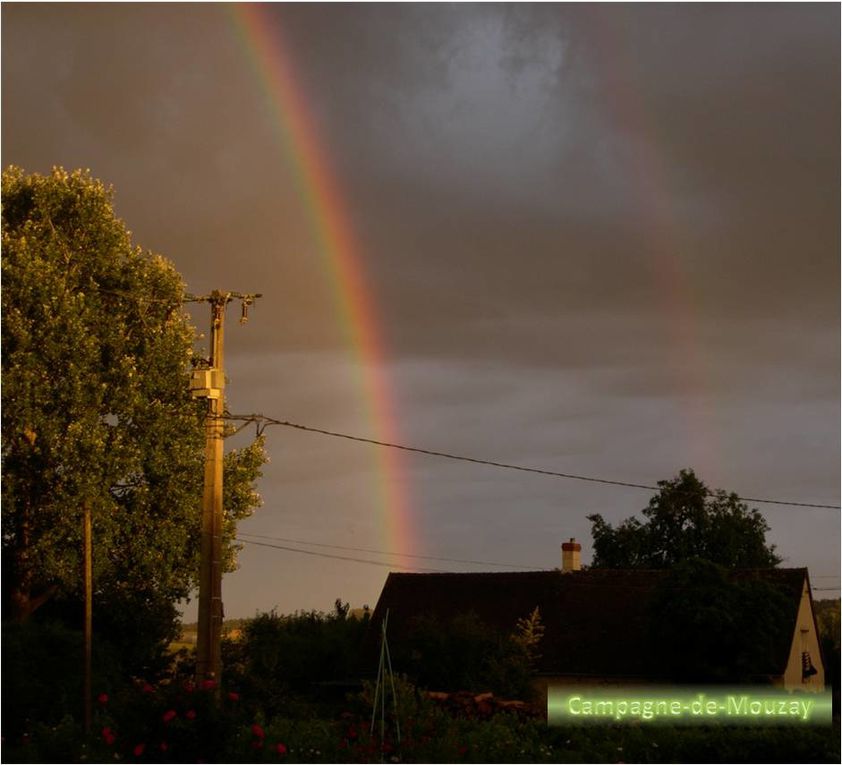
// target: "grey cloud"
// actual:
[[598, 238]]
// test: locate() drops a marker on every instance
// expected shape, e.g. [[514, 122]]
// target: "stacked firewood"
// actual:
[[481, 706]]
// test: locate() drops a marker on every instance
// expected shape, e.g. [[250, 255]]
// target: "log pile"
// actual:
[[481, 706]]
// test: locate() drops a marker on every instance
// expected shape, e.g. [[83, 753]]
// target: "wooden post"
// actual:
[[88, 628]]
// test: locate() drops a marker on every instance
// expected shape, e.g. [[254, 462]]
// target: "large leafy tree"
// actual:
[[96, 409], [685, 520], [708, 626]]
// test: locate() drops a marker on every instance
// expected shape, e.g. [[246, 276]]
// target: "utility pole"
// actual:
[[209, 383]]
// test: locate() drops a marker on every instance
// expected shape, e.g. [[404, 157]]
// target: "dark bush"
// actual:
[[463, 654], [287, 660], [43, 674]]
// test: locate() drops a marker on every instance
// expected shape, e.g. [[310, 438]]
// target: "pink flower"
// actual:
[[190, 714], [208, 685], [108, 736], [169, 715], [257, 731], [138, 750], [147, 688], [280, 748], [102, 698], [189, 686], [234, 696]]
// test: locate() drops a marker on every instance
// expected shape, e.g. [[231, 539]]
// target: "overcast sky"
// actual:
[[600, 239]]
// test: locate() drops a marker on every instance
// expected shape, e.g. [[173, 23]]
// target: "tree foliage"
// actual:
[[529, 632], [685, 520], [464, 654], [709, 627], [280, 658], [97, 410], [827, 616]]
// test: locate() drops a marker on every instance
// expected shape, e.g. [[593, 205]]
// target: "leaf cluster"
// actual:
[[529, 632], [708, 626], [685, 520], [463, 653], [98, 413], [279, 657]]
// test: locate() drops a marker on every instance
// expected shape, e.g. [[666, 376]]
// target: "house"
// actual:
[[597, 622]]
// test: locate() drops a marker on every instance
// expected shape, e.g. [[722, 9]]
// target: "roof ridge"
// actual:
[[584, 571]]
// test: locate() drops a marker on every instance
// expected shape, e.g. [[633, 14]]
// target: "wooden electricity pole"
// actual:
[[209, 383]]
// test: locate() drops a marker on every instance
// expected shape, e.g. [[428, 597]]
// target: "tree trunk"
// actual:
[[23, 602], [21, 607]]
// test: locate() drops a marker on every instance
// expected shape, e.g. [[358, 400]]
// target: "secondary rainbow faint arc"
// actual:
[[648, 173], [322, 198]]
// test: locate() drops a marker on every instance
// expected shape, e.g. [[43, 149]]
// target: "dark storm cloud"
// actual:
[[602, 239], [492, 169], [444, 120]]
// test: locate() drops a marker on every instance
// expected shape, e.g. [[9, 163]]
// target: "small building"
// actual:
[[597, 622]]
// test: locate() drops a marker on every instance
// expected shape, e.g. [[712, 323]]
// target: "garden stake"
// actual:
[[384, 668]]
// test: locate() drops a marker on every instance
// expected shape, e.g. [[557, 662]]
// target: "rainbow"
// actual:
[[321, 194], [649, 176]]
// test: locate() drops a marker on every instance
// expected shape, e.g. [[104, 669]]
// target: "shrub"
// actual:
[[282, 660], [464, 654], [43, 674]]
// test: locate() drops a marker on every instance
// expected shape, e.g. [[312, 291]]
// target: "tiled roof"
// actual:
[[596, 621]]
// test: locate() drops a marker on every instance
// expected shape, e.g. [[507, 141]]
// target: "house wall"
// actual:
[[805, 638]]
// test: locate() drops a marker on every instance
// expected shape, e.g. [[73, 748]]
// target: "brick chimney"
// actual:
[[571, 556]]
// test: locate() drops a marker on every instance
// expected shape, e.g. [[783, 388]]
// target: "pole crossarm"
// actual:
[[217, 298], [219, 295]]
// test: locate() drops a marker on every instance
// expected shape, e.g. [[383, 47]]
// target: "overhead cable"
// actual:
[[396, 565], [387, 552], [343, 557], [262, 419]]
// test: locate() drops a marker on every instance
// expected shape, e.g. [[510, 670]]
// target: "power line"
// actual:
[[262, 419], [343, 557], [436, 557], [248, 299], [396, 565], [387, 552]]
